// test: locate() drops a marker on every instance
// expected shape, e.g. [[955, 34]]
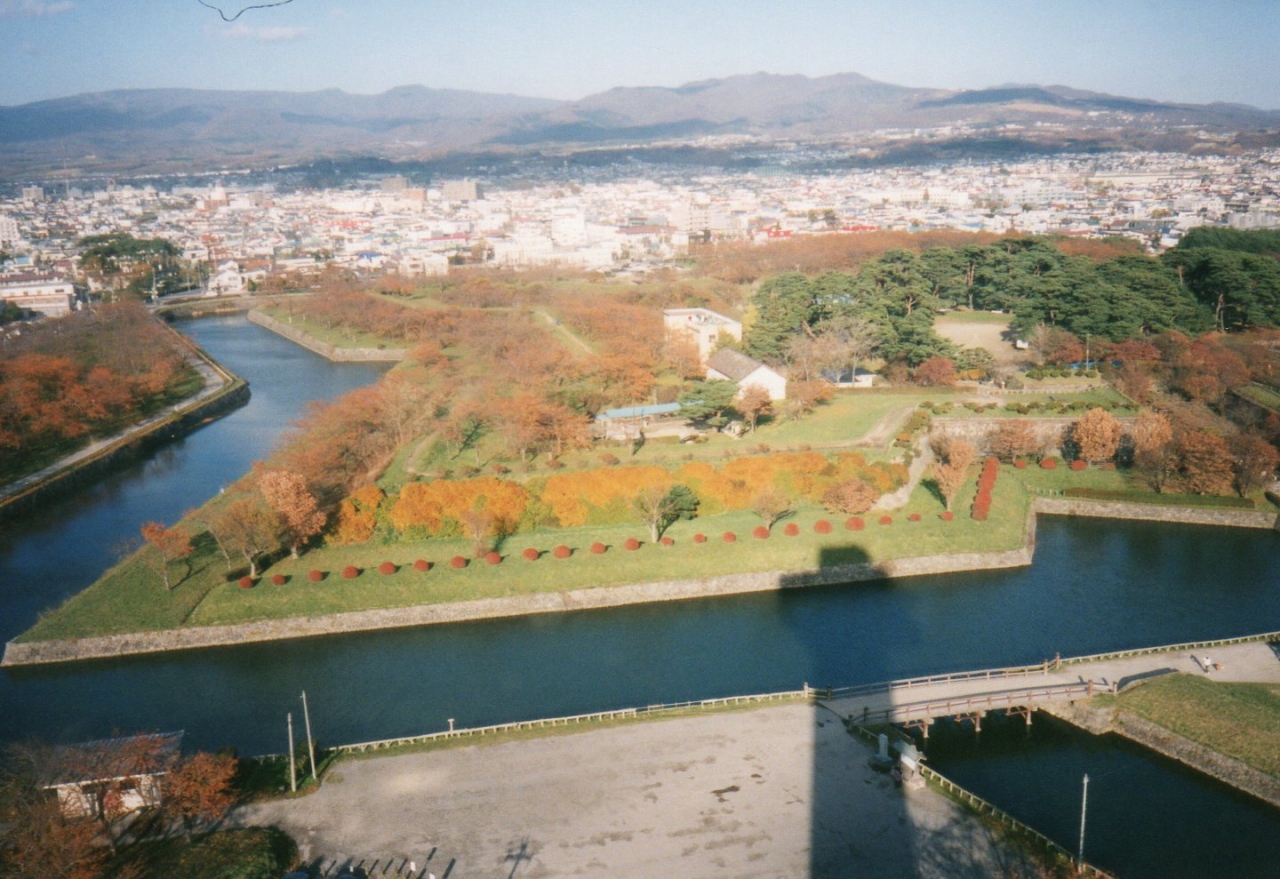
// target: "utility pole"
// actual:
[[311, 743], [1084, 802], [293, 772]]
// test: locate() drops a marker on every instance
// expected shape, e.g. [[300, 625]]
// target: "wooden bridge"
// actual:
[[1020, 690]]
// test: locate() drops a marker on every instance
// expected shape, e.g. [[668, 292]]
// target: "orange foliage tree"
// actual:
[[1097, 435], [169, 545], [287, 493]]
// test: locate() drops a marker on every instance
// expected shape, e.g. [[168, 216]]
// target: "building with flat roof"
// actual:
[[702, 326]]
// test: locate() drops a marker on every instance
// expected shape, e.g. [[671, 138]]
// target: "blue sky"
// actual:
[[1177, 50]]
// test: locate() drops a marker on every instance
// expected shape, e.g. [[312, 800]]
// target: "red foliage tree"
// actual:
[[199, 791], [168, 545], [287, 493]]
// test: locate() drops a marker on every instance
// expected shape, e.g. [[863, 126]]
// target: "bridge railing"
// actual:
[[935, 680], [987, 702], [571, 720]]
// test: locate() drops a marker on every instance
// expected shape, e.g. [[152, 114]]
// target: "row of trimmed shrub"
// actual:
[[822, 526], [986, 482]]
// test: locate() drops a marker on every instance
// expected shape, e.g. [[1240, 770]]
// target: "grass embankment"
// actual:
[[1268, 398], [1239, 720], [130, 597], [339, 337]]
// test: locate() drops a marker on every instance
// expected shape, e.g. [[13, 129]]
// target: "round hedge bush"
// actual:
[[822, 526], [885, 520], [854, 523], [246, 582], [531, 554], [458, 562], [493, 558], [947, 516], [315, 576], [350, 572], [914, 517], [279, 579], [422, 566], [1049, 464], [792, 529], [1020, 464], [630, 544], [699, 538], [387, 568], [760, 532], [1107, 465], [598, 548], [1078, 465], [729, 537], [562, 552], [668, 541], [980, 515]]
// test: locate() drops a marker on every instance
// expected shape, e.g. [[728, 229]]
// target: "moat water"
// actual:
[[1095, 586]]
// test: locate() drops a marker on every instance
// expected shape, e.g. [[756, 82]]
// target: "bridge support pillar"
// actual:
[[923, 725], [975, 717], [1021, 711]]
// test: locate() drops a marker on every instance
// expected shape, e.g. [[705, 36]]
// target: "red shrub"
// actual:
[[493, 558], [458, 562], [886, 520], [562, 552], [668, 541], [1021, 463], [598, 548], [760, 532], [1079, 465], [729, 537], [531, 554], [315, 576], [246, 582], [854, 523], [350, 572], [822, 526], [422, 566], [699, 538], [980, 515], [630, 544], [279, 579], [387, 568], [947, 516], [1048, 463], [791, 530], [1108, 465], [914, 517]]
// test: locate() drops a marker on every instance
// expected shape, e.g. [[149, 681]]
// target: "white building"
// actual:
[[737, 367], [700, 325], [52, 297]]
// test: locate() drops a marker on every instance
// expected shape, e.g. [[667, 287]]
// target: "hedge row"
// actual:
[[986, 482]]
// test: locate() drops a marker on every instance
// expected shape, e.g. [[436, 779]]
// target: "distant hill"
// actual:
[[170, 130]]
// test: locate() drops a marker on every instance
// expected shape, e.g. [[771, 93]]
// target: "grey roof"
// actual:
[[733, 364], [123, 757]]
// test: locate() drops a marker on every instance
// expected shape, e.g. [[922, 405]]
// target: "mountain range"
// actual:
[[175, 130]]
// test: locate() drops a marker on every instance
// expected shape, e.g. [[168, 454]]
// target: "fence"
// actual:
[[934, 680], [593, 717], [1173, 648], [988, 702]]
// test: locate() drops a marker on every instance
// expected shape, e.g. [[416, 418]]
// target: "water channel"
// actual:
[[1095, 586]]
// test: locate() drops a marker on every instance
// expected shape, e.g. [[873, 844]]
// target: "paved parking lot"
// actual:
[[781, 791]]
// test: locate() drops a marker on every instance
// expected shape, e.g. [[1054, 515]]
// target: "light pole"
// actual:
[[1084, 802]]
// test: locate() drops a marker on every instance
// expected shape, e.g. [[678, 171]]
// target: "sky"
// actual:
[[1195, 51]]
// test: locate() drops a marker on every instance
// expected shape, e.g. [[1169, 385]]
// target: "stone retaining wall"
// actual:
[[1203, 759], [38, 652], [1260, 519], [324, 349]]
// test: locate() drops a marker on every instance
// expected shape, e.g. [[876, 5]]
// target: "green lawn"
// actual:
[[344, 337], [973, 317], [1238, 720], [131, 598], [249, 853], [1263, 396]]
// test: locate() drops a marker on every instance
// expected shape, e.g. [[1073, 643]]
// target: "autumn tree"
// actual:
[[477, 523], [753, 403], [1204, 460], [804, 397], [850, 496], [659, 506], [250, 527], [1154, 453], [199, 790], [949, 475], [772, 504], [168, 545], [936, 372], [40, 841], [1097, 435], [1015, 438], [287, 493], [1253, 461]]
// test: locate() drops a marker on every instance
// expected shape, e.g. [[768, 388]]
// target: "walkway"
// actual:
[[969, 695]]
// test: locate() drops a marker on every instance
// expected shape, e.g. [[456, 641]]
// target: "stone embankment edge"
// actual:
[[40, 652], [69, 650], [1204, 759], [233, 394], [324, 349]]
